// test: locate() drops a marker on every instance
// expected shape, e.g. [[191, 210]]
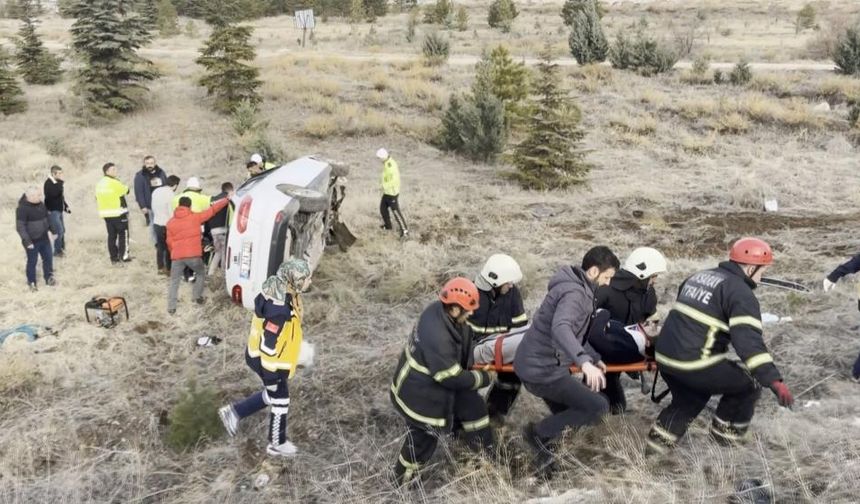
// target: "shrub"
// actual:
[[245, 118], [587, 41], [167, 19], [502, 14], [572, 7], [462, 19], [194, 418], [846, 54], [436, 48], [644, 54], [741, 74], [550, 157], [411, 23], [805, 19], [439, 12], [854, 115], [475, 127]]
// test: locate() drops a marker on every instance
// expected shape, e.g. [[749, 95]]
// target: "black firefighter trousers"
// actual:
[[691, 391], [470, 414], [392, 203], [117, 239]]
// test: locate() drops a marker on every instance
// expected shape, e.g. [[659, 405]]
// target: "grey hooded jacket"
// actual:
[[555, 340]]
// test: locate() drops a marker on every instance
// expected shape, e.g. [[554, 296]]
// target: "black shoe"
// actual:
[[200, 301], [33, 287], [59, 254], [171, 311], [50, 281], [114, 261], [544, 462]]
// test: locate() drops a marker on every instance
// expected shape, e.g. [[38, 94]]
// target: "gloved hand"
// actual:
[[828, 285], [783, 395]]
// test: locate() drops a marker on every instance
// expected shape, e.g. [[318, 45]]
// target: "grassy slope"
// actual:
[[79, 414]]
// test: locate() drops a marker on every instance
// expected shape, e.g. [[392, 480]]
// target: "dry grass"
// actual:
[[80, 413]]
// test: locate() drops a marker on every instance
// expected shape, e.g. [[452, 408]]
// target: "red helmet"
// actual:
[[461, 292], [751, 251]]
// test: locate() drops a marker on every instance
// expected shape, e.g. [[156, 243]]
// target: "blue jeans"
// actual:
[[56, 220], [40, 248]]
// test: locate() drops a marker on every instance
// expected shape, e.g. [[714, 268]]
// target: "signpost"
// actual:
[[304, 20]]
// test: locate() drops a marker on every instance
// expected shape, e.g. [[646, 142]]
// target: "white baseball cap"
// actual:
[[193, 183], [382, 154], [256, 158]]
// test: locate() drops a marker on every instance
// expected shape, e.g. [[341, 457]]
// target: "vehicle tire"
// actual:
[[310, 200]]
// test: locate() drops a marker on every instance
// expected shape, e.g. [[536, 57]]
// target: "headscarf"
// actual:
[[294, 272]]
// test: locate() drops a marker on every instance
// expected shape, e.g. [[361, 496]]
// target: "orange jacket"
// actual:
[[184, 237]]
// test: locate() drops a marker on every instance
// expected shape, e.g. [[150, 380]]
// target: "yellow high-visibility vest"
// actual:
[[110, 197]]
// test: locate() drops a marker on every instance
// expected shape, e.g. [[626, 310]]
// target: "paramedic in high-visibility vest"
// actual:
[[391, 194], [113, 208], [715, 308], [194, 192]]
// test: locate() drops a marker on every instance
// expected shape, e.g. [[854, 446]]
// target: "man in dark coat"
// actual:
[[55, 202], [149, 178], [34, 228]]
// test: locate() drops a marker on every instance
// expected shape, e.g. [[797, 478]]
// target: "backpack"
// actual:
[[106, 312]]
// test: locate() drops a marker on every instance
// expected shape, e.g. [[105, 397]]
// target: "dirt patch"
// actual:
[[148, 326]]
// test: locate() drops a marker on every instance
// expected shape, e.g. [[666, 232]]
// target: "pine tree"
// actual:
[[11, 96], [167, 20], [587, 41], [462, 19], [356, 11], [35, 64], [107, 34], [148, 10], [501, 15], [228, 78], [550, 157], [474, 126], [572, 7], [497, 74], [846, 54]]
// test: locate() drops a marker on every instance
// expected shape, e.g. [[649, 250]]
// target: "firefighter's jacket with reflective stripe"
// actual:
[[498, 313], [110, 197], [199, 202], [276, 335], [435, 364], [714, 308], [390, 177]]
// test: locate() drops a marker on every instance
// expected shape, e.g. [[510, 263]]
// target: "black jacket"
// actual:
[[55, 200], [847, 268], [145, 182], [31, 221], [220, 219], [497, 313], [434, 365], [628, 299], [714, 308]]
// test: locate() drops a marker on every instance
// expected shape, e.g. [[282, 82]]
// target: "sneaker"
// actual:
[[59, 254], [287, 449], [126, 259], [50, 281], [33, 287], [163, 271], [200, 301], [171, 311], [229, 418], [191, 278], [114, 261], [856, 378]]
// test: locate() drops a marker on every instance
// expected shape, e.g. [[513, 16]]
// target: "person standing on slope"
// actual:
[[391, 193], [850, 267], [715, 308], [113, 208]]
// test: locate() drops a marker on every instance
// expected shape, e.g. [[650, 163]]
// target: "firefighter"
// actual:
[[273, 349], [716, 308], [850, 267], [630, 299], [433, 384], [500, 309]]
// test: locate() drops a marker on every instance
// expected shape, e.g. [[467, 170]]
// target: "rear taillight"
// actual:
[[244, 214], [236, 294]]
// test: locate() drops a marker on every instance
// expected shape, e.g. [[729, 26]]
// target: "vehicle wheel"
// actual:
[[310, 201]]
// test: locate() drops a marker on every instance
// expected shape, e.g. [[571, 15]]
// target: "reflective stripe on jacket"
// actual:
[[110, 197], [714, 308], [498, 313], [434, 365], [277, 341]]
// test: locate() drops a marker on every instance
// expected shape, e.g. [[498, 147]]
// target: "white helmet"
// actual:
[[497, 271], [382, 154], [256, 158], [645, 262], [193, 183]]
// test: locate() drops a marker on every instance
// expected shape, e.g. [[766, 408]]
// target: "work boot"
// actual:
[[229, 419], [545, 463], [287, 449]]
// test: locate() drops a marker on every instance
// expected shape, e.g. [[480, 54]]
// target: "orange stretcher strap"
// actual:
[[646, 365]]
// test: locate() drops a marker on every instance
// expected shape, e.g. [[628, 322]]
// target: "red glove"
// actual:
[[783, 395]]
